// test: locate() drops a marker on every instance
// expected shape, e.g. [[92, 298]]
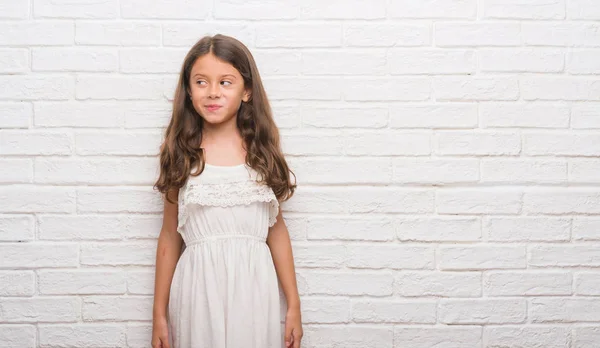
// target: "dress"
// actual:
[[225, 292]]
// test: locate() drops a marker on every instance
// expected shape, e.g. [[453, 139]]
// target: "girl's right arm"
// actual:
[[167, 255]]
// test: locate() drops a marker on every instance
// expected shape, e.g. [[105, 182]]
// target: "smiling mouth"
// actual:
[[213, 107]]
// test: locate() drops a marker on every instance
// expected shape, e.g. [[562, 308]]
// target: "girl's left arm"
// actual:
[[279, 242]]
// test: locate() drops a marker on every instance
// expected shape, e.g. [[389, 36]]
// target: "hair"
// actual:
[[181, 151]]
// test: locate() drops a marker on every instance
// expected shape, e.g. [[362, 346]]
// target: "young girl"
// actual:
[[223, 175]]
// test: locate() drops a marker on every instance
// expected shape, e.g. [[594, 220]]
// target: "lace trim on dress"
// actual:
[[226, 195]]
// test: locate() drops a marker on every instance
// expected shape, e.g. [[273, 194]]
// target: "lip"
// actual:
[[213, 107]]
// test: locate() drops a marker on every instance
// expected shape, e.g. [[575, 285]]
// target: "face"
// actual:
[[216, 89]]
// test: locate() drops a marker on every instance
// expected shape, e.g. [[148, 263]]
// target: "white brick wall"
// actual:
[[447, 154]]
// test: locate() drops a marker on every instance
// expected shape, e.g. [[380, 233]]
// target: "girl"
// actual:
[[222, 162]]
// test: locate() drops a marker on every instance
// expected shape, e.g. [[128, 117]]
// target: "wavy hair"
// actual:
[[181, 151]]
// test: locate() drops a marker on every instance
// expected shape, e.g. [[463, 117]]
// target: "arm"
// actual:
[[278, 241], [167, 255]]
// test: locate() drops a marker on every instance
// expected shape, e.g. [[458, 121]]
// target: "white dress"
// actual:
[[225, 292]]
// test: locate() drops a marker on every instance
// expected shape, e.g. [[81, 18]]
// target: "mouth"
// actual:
[[213, 107]]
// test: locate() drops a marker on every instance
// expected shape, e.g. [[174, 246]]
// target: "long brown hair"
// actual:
[[181, 151]]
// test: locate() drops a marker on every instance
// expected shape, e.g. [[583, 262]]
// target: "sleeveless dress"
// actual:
[[225, 292]]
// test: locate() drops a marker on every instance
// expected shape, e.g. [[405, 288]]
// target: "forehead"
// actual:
[[211, 65]]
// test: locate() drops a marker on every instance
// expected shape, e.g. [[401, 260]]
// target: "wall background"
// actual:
[[446, 154]]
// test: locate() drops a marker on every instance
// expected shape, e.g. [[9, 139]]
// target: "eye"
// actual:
[[229, 82], [200, 82]]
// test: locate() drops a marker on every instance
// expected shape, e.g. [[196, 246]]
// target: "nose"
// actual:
[[214, 91]]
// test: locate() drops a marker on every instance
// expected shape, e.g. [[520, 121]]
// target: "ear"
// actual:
[[246, 96]]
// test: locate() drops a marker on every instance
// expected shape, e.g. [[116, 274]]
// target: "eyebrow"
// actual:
[[198, 74]]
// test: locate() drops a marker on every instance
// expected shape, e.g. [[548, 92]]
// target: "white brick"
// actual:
[[399, 311], [527, 229], [586, 228], [560, 88], [584, 170], [392, 256], [587, 283], [545, 60], [574, 200], [137, 335], [479, 201], [272, 62], [151, 60], [387, 89], [583, 62], [35, 142], [433, 9], [40, 309], [83, 335], [126, 33], [564, 310], [565, 255], [78, 9], [561, 144], [38, 33], [363, 200], [524, 115], [256, 9], [79, 114], [565, 33], [586, 337], [14, 10], [313, 255], [325, 310], [140, 143], [351, 228], [162, 9], [407, 143], [477, 34], [386, 34], [18, 336], [435, 229], [140, 282], [344, 62], [15, 115], [98, 227], [117, 200], [17, 283], [36, 255], [482, 257], [518, 171], [524, 9], [94, 171], [475, 88], [81, 282], [344, 116], [118, 87], [118, 254], [312, 144], [431, 61], [342, 9], [345, 283], [16, 228], [303, 88], [16, 170], [367, 336], [117, 308], [28, 199], [479, 143], [527, 283], [298, 35], [585, 115], [530, 336], [74, 59], [437, 336], [188, 33], [342, 170], [583, 9], [435, 171], [439, 115], [482, 311], [30, 87], [14, 60], [444, 284]]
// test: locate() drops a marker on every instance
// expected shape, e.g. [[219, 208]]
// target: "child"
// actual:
[[222, 162]]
